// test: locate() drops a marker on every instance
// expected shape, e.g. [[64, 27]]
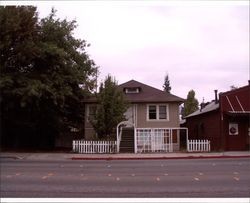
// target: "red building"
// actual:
[[225, 122]]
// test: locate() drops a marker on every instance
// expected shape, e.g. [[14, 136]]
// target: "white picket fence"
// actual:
[[94, 147], [198, 146]]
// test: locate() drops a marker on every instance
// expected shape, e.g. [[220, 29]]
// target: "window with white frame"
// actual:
[[162, 112], [152, 112], [91, 112], [157, 112], [132, 90]]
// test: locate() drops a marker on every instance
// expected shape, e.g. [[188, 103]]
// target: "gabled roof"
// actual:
[[237, 100], [212, 106], [148, 94]]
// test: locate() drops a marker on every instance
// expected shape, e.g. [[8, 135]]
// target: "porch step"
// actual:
[[127, 142]]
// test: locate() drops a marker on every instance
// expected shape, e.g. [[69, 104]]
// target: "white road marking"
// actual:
[[158, 179], [81, 166], [197, 179], [44, 177], [236, 178], [109, 175], [214, 164], [18, 174], [236, 173], [117, 178], [132, 174], [165, 174], [201, 174], [82, 174], [108, 166], [50, 174]]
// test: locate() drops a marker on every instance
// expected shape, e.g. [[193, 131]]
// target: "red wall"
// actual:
[[216, 123], [205, 126], [240, 141]]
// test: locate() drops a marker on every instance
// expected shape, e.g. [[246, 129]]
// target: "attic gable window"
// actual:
[[133, 90]]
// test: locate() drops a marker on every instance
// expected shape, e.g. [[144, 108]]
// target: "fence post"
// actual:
[[135, 140], [73, 143]]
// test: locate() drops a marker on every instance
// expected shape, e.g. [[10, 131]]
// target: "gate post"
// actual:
[[135, 140]]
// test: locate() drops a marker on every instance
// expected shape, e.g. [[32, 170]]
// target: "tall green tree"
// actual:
[[191, 104], [166, 85], [110, 110], [42, 66]]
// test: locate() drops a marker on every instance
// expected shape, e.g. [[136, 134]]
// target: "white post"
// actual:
[[135, 140], [117, 139], [171, 140], [73, 146]]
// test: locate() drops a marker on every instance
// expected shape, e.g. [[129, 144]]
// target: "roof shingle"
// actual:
[[147, 94]]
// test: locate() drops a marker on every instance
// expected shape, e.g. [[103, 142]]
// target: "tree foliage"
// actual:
[[166, 85], [42, 65], [110, 110], [191, 104]]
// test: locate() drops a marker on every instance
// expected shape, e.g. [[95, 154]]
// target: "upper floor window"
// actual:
[[157, 112], [152, 112], [129, 90], [91, 112], [163, 112]]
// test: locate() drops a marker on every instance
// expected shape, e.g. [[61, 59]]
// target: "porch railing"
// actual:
[[94, 147], [198, 146], [154, 140]]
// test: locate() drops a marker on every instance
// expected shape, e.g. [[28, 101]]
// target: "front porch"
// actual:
[[150, 140], [144, 140]]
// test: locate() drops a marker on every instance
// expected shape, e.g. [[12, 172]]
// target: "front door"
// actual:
[[130, 114]]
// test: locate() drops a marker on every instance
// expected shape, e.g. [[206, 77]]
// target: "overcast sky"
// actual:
[[202, 46]]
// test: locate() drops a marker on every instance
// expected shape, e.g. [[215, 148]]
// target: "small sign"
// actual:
[[233, 129]]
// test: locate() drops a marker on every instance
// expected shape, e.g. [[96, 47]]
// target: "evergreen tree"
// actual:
[[41, 65], [110, 110], [191, 104], [166, 85]]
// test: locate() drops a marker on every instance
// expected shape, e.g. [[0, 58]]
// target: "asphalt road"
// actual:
[[126, 178]]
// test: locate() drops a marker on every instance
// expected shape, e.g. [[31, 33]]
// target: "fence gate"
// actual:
[[154, 140]]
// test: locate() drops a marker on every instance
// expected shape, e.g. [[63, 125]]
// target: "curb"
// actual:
[[10, 157], [157, 158]]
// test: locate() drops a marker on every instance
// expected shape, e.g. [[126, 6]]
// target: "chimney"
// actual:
[[216, 96]]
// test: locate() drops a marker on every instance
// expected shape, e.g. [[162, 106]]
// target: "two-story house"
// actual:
[[152, 119]]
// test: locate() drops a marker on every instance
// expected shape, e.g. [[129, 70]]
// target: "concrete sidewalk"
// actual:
[[122, 156]]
